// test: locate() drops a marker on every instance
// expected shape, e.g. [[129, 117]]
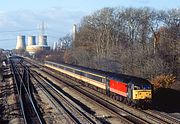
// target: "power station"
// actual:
[[42, 45], [33, 47]]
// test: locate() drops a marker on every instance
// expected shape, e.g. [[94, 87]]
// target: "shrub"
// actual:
[[163, 80]]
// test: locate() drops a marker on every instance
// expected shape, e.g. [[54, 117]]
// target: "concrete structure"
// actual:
[[74, 30], [31, 47], [55, 46], [21, 44], [37, 48], [42, 40], [31, 40]]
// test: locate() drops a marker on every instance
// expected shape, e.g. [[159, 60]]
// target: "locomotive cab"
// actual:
[[139, 92], [142, 92]]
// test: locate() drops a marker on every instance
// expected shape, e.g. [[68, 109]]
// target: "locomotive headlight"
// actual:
[[136, 95]]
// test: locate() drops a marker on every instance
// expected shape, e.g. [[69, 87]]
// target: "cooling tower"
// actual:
[[31, 40], [42, 40], [21, 42]]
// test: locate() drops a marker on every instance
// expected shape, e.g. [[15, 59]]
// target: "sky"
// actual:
[[23, 17]]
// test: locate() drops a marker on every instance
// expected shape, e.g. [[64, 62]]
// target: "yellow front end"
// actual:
[[142, 94]]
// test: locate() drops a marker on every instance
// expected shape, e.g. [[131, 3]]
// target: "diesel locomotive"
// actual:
[[129, 89]]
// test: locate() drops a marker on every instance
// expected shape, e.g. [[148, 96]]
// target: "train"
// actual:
[[134, 91]]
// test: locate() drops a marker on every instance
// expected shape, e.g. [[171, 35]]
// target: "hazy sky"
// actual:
[[24, 16]]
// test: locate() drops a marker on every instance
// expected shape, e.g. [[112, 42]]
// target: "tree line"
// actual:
[[136, 41]]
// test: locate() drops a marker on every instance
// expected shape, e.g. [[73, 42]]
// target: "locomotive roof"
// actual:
[[110, 75], [127, 78]]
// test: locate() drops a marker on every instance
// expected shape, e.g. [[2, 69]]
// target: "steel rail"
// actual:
[[152, 118], [18, 90], [51, 98], [163, 116], [66, 81], [29, 97], [165, 120], [81, 118]]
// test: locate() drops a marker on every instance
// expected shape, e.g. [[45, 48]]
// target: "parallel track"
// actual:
[[138, 113], [163, 116], [61, 102], [26, 100], [148, 115], [126, 116]]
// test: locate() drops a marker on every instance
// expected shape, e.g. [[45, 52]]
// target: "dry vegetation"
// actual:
[[135, 41], [164, 81]]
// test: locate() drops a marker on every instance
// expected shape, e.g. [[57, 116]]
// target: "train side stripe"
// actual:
[[90, 81], [77, 69], [118, 92]]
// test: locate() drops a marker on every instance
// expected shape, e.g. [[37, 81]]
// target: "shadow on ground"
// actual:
[[167, 100]]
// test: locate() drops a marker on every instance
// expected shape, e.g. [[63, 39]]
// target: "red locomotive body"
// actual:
[[118, 87]]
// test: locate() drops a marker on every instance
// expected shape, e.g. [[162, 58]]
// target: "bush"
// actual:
[[164, 81]]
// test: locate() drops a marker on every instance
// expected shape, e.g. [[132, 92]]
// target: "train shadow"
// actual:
[[166, 100], [4, 121]]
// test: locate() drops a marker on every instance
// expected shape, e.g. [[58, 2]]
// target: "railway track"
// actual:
[[57, 98], [147, 117], [29, 109], [163, 116], [74, 113], [124, 115], [119, 113]]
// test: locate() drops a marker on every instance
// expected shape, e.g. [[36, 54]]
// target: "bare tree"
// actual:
[[136, 41]]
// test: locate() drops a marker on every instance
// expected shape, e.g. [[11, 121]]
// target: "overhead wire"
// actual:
[[10, 31], [6, 39]]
